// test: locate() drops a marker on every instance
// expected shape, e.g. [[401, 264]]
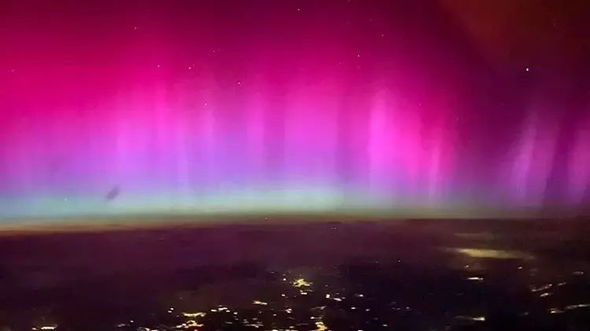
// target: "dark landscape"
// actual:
[[373, 275]]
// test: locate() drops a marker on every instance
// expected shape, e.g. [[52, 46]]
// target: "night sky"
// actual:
[[452, 106]]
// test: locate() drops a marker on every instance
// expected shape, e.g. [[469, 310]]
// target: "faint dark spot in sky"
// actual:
[[113, 193]]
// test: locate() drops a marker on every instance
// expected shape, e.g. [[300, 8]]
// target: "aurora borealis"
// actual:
[[114, 107]]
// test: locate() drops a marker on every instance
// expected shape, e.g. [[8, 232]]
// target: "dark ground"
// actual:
[[402, 275]]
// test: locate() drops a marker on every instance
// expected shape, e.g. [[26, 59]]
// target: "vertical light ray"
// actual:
[[579, 164], [533, 162]]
